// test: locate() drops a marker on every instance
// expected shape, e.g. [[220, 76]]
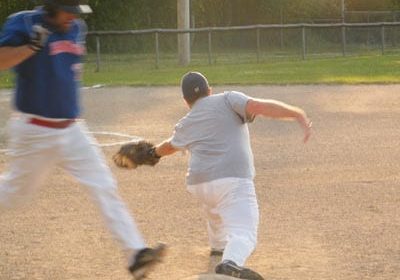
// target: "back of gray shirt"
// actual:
[[216, 134]]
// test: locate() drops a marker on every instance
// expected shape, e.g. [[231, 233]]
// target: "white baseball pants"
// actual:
[[34, 150], [231, 209]]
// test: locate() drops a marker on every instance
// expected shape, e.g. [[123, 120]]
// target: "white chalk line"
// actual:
[[94, 87], [131, 138]]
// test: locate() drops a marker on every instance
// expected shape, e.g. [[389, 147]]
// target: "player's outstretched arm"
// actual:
[[165, 148], [12, 56], [279, 110]]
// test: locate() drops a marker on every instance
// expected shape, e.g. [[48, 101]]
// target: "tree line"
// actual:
[[143, 14]]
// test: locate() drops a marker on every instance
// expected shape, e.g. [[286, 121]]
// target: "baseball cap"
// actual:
[[73, 6], [194, 85]]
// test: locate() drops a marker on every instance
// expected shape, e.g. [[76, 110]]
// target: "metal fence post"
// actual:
[[258, 44], [368, 32], [344, 40], [97, 54], [281, 30], [304, 41], [393, 31], [209, 47], [157, 50], [383, 39]]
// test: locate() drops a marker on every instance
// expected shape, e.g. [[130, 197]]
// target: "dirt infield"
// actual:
[[329, 209]]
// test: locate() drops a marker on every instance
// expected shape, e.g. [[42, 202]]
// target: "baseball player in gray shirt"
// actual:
[[221, 168]]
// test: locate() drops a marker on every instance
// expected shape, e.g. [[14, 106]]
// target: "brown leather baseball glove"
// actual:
[[132, 155]]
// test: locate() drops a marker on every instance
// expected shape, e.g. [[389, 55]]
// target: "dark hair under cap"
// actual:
[[194, 85], [70, 6]]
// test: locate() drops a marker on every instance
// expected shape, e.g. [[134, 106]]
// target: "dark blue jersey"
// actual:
[[47, 84]]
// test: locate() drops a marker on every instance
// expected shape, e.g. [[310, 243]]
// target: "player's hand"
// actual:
[[39, 37], [306, 125], [307, 132]]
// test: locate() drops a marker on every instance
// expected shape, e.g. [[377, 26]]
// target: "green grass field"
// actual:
[[134, 71]]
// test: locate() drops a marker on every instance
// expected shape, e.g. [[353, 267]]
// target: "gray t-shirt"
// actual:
[[216, 134]]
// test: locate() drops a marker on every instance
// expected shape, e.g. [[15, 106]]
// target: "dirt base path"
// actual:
[[329, 209]]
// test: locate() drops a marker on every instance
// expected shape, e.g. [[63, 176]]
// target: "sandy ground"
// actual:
[[329, 209]]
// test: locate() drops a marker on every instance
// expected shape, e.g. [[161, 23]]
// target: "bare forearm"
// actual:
[[274, 109], [165, 149], [279, 110], [12, 56]]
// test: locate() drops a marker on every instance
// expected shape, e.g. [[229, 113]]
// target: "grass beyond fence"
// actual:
[[336, 70]]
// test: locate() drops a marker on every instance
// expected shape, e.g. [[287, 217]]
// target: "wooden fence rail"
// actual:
[[303, 27]]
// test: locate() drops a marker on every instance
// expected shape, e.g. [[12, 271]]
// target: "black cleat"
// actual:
[[145, 259], [216, 252], [231, 269]]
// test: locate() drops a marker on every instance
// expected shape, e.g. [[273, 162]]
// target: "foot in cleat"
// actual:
[[144, 261], [232, 269]]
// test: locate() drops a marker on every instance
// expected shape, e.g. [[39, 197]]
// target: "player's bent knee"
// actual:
[[14, 193], [246, 237], [104, 193], [10, 198], [100, 183]]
